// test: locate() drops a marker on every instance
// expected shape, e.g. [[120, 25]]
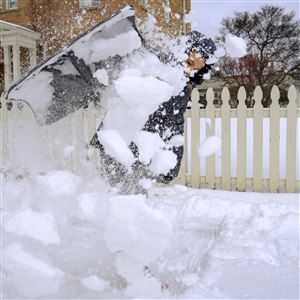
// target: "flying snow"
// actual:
[[235, 46], [101, 76], [163, 161], [115, 146], [148, 144], [210, 146]]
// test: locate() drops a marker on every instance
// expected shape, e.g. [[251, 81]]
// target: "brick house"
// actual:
[[31, 30]]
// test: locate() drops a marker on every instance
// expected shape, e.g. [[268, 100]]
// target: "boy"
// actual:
[[167, 121]]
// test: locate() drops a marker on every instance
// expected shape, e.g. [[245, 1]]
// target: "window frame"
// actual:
[[145, 4], [8, 5], [82, 5], [167, 15], [1, 5]]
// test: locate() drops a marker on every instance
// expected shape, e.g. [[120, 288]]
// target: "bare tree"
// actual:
[[272, 37]]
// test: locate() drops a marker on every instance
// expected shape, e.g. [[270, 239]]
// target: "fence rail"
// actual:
[[190, 172], [65, 145]]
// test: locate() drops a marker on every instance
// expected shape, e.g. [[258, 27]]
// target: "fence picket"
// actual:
[[274, 140], [241, 140], [226, 139], [210, 131], [91, 122], [291, 140], [11, 121], [182, 172], [68, 152], [258, 141], [53, 133], [79, 139], [195, 167], [4, 133]]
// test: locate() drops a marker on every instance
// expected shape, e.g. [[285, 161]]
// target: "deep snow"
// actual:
[[75, 237]]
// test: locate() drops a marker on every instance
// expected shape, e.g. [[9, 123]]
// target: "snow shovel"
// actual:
[[64, 83]]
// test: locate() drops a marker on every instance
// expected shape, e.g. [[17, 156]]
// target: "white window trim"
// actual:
[[11, 8], [82, 5], [167, 15], [145, 4]]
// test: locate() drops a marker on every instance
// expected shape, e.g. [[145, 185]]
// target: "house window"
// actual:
[[1, 53], [1, 7], [145, 4], [12, 4], [167, 11], [89, 3]]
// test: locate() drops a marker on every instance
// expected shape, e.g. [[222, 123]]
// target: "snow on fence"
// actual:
[[259, 149]]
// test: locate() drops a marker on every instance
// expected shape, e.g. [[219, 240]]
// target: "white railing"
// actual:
[[259, 150]]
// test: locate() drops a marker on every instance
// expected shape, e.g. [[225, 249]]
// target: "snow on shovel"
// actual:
[[68, 80]]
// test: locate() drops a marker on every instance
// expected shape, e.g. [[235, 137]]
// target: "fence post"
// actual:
[[241, 140], [182, 171], [92, 129], [258, 141], [291, 137], [226, 139], [274, 140], [195, 172], [210, 131], [4, 131], [79, 140]]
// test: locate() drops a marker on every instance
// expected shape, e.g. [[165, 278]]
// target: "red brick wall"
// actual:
[[56, 19], [21, 16]]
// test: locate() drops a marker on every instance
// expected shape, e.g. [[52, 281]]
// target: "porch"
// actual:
[[19, 51]]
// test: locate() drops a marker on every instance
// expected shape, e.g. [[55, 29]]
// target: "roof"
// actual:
[[7, 27]]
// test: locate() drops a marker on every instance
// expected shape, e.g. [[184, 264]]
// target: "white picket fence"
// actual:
[[27, 146], [281, 135]]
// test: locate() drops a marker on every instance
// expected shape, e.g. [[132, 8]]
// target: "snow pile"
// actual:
[[179, 242], [36, 225], [235, 46], [60, 229], [143, 227], [32, 277]]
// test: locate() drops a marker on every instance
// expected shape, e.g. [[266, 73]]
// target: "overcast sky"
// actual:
[[206, 16]]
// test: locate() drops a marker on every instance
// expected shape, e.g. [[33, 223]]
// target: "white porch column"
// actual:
[[7, 67], [32, 54], [16, 62]]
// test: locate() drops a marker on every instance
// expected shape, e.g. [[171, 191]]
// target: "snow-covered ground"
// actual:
[[70, 236]]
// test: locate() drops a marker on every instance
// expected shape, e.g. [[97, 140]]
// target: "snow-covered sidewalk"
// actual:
[[65, 236]]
